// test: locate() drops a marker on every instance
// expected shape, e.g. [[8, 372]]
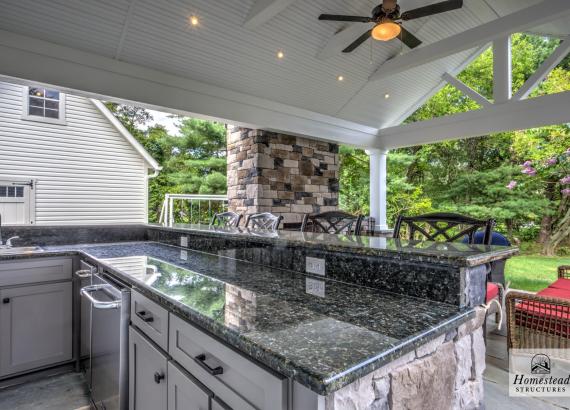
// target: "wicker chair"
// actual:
[[540, 320], [265, 221], [226, 220], [334, 222]]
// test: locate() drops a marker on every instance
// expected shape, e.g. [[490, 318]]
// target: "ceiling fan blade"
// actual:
[[334, 17], [409, 39], [357, 42], [432, 9]]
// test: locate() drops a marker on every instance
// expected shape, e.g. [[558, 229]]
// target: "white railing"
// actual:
[[167, 213]]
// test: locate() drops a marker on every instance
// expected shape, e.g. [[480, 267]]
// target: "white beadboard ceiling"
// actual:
[[156, 34]]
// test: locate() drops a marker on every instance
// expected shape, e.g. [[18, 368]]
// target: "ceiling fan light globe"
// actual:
[[386, 31]]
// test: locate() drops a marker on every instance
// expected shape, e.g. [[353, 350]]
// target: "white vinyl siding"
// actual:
[[86, 171]]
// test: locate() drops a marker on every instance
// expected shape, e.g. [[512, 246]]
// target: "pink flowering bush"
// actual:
[[554, 167], [512, 185]]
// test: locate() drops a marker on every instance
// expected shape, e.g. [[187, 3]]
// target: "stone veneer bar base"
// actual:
[[446, 373]]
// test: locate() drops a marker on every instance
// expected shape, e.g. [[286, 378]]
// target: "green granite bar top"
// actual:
[[454, 253]]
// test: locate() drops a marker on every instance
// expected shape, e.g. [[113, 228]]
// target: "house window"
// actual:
[[43, 104]]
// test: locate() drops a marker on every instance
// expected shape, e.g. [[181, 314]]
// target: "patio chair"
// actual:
[[226, 220], [541, 320], [449, 227], [265, 221], [334, 222], [440, 226]]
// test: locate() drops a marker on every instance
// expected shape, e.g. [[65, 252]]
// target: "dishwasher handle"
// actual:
[[84, 273], [99, 304]]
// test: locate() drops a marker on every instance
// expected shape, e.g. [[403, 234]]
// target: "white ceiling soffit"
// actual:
[[235, 45]]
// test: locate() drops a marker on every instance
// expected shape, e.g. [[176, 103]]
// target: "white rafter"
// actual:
[[125, 29], [502, 70], [519, 21], [263, 11], [513, 115], [547, 66], [465, 89]]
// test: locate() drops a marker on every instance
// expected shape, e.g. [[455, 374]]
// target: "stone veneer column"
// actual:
[[282, 174]]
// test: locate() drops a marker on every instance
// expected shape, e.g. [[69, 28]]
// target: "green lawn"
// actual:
[[533, 273]]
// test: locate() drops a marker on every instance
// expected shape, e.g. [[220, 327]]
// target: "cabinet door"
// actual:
[[35, 327], [147, 374], [184, 393]]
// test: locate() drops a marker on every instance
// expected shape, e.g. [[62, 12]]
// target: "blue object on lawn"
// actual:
[[496, 239]]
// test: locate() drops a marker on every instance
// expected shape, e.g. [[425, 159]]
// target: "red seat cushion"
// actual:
[[561, 284], [555, 293], [545, 317], [492, 291]]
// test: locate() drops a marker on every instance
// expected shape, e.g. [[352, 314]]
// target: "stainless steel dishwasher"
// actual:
[[109, 356]]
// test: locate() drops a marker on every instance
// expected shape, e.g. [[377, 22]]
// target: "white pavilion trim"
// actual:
[[114, 68]]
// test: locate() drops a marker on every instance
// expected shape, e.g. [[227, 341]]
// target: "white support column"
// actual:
[[378, 189], [502, 70]]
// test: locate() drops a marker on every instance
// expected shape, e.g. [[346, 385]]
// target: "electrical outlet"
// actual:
[[184, 241], [184, 255], [315, 265], [315, 287]]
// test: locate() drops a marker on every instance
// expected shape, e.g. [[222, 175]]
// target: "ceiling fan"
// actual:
[[388, 21]]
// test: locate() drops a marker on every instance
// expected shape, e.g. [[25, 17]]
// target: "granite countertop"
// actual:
[[323, 334], [454, 253]]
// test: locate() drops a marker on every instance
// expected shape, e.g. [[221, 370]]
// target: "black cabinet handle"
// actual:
[[201, 361], [142, 315], [6, 300], [158, 377]]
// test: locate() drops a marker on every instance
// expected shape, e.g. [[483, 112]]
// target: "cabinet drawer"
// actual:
[[150, 318], [184, 392], [239, 382], [35, 271]]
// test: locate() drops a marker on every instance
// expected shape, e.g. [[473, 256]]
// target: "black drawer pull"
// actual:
[[158, 377], [142, 316], [6, 300], [201, 361]]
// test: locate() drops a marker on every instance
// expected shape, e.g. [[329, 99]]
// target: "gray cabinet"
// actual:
[[184, 392], [35, 326], [148, 375]]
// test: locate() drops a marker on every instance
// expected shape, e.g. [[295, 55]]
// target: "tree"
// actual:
[[193, 162]]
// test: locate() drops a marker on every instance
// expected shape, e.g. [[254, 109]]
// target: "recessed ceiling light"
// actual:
[[340, 78], [194, 20], [386, 96], [280, 54]]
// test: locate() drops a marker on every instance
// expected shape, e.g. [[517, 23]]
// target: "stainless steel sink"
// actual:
[[19, 249]]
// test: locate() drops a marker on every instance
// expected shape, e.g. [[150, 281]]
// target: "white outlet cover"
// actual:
[[315, 266], [315, 287], [184, 255], [184, 241]]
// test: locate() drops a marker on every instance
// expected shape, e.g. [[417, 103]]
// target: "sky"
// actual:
[[162, 118]]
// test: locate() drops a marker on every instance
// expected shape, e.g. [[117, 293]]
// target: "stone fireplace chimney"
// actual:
[[282, 174]]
